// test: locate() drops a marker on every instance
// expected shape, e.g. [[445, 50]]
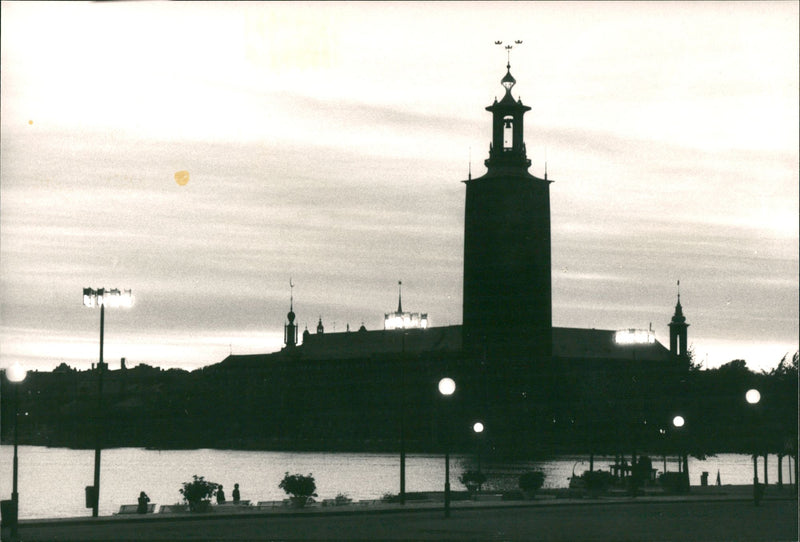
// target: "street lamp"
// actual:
[[478, 428], [15, 374], [753, 397], [678, 422], [100, 298], [447, 387]]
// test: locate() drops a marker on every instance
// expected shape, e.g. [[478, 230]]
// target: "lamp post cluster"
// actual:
[[100, 298]]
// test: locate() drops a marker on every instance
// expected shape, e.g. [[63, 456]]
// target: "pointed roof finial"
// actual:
[[400, 296], [679, 291], [508, 81], [469, 177], [291, 294]]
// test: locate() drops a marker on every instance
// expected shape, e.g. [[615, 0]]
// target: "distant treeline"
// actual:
[[276, 402]]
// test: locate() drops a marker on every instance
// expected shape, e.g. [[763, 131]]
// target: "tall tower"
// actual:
[[507, 308], [678, 332]]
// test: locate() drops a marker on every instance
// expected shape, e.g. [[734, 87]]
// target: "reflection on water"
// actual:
[[52, 480]]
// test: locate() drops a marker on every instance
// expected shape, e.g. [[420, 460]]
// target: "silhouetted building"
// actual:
[[507, 290], [532, 383]]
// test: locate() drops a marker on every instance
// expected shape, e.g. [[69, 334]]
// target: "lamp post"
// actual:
[[753, 397], [403, 423], [678, 422], [478, 428], [447, 387], [100, 298], [15, 374]]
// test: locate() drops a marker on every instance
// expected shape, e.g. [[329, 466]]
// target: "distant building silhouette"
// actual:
[[404, 320], [526, 379]]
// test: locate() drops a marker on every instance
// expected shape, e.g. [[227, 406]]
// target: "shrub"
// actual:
[[597, 481], [300, 488], [341, 499], [531, 481], [197, 492], [472, 480]]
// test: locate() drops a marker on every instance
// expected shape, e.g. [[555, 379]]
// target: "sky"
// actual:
[[205, 154]]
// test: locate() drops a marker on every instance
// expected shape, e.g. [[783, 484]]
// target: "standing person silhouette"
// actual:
[[220, 495], [236, 493], [143, 500]]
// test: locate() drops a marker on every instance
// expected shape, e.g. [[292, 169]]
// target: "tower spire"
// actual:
[[399, 296], [678, 331], [290, 329]]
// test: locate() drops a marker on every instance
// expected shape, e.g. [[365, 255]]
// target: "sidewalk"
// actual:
[[435, 501], [722, 514]]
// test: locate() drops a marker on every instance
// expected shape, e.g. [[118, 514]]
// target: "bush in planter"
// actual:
[[300, 488], [674, 482], [529, 482], [472, 480], [597, 481], [198, 493]]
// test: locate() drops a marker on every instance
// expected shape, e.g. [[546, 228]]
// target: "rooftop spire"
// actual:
[[400, 296], [291, 314], [678, 317]]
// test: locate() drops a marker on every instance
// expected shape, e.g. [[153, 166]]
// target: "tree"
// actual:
[[300, 488], [472, 480], [529, 482], [198, 492]]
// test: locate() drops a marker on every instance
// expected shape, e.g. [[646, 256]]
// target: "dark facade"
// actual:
[[507, 307]]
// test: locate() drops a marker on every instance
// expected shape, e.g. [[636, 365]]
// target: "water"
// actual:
[[52, 480]]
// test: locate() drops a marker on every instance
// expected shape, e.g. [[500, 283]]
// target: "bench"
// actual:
[[273, 504], [173, 508], [231, 504], [134, 509]]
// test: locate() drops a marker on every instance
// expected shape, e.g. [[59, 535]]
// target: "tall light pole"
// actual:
[[678, 422], [753, 397], [100, 298], [403, 422], [15, 374], [447, 387], [478, 428]]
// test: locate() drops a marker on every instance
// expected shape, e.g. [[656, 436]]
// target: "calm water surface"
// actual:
[[52, 480]]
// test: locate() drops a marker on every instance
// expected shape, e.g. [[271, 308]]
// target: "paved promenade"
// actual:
[[707, 515]]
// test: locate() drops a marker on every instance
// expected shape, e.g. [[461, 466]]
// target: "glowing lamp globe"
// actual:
[[752, 396], [16, 373], [478, 427], [447, 386], [678, 421]]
